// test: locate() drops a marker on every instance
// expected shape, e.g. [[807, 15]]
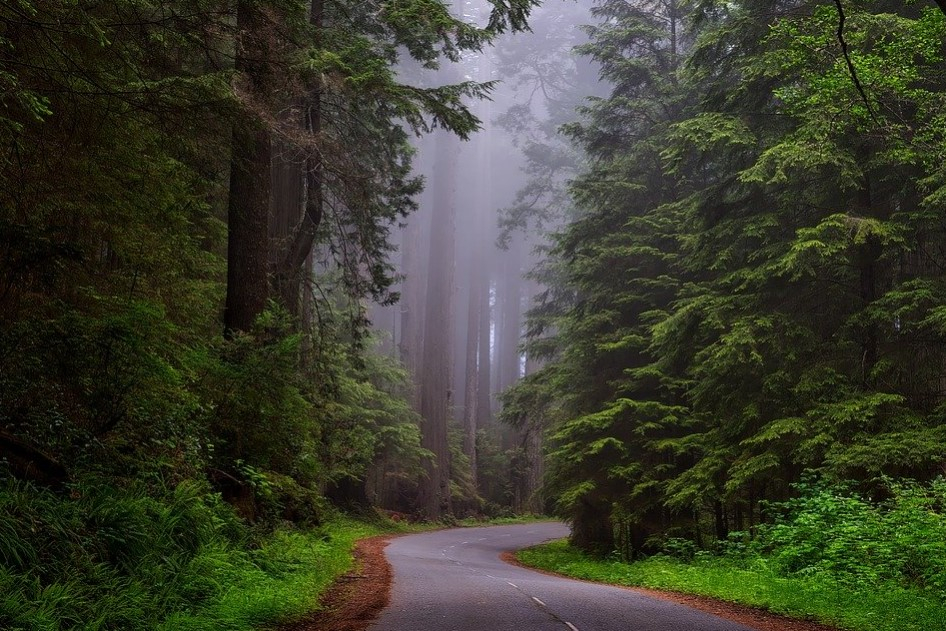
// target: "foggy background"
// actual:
[[468, 255]]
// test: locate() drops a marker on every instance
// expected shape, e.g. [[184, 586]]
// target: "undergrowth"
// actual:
[[107, 558], [832, 555]]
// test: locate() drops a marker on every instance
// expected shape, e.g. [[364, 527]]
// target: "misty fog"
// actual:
[[468, 257]]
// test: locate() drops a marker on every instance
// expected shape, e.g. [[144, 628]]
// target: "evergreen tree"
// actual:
[[752, 269]]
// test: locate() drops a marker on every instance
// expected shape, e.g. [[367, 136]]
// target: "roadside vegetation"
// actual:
[[830, 555], [156, 557], [109, 558]]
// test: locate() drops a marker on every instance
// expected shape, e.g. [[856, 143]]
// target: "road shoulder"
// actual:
[[752, 617], [355, 599]]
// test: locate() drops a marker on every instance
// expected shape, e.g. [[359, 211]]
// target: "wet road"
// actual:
[[453, 580]]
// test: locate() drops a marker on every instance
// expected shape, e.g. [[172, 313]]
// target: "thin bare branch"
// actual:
[[850, 64]]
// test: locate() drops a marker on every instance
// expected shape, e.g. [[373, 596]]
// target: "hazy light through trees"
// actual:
[[505, 202]]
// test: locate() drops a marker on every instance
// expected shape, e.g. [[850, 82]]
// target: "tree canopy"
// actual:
[[751, 288]]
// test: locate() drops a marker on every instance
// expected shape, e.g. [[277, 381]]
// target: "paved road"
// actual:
[[453, 580]]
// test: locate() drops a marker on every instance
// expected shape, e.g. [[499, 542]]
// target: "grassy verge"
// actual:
[[292, 571], [104, 558], [282, 581], [885, 608], [473, 522]]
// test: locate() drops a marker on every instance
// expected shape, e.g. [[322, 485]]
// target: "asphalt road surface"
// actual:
[[453, 580]]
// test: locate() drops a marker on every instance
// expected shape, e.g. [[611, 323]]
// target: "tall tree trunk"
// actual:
[[411, 305], [532, 437], [511, 315], [415, 238], [250, 183], [287, 204], [536, 468], [474, 341], [435, 380], [480, 245], [294, 261]]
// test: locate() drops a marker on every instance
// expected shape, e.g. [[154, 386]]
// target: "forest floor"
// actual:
[[356, 598]]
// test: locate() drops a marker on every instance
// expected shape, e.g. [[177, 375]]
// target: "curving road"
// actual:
[[453, 580]]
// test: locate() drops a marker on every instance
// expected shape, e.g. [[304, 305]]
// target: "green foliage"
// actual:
[[868, 607], [831, 531], [107, 558], [109, 391], [751, 286], [110, 558], [289, 419]]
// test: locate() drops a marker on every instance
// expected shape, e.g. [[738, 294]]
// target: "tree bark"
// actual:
[[484, 362], [473, 344], [250, 182], [410, 342], [292, 264], [435, 385], [286, 208], [511, 298]]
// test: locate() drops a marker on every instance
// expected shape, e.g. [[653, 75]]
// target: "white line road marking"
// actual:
[[571, 626], [513, 584], [538, 601]]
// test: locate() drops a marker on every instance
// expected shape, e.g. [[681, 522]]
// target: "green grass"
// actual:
[[285, 580], [884, 608], [105, 558]]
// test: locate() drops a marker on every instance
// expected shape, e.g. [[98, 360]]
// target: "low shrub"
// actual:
[[109, 558], [833, 531]]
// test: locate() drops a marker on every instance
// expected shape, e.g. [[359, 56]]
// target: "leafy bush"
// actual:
[[831, 530], [320, 411]]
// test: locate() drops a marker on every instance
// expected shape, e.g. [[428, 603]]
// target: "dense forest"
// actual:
[[750, 288], [651, 266], [198, 201]]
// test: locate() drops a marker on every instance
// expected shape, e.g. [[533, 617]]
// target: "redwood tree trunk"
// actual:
[[435, 380], [294, 260], [474, 342], [511, 316], [484, 363], [250, 184]]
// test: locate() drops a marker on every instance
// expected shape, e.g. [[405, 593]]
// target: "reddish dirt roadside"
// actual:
[[749, 616], [357, 598]]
